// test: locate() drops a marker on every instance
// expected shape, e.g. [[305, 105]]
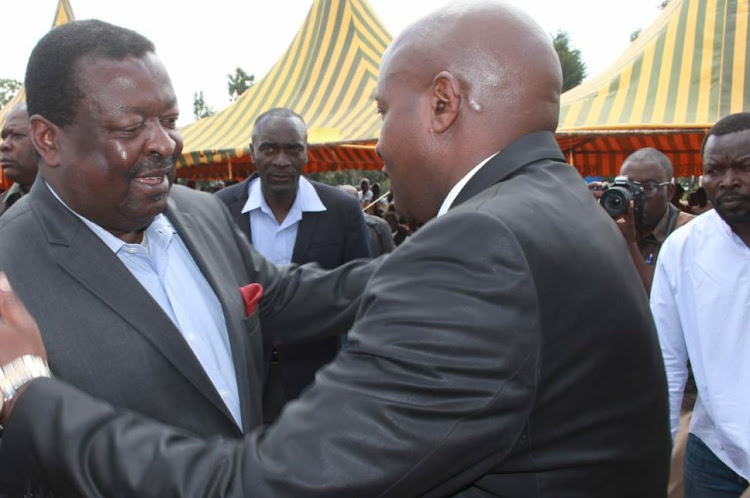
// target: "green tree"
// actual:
[[239, 82], [8, 89], [573, 67], [200, 108]]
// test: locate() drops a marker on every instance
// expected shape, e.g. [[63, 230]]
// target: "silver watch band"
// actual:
[[17, 373]]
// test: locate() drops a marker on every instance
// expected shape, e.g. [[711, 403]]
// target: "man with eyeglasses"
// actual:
[[653, 171], [644, 236]]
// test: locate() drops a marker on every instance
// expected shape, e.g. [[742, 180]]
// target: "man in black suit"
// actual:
[[505, 349], [290, 219]]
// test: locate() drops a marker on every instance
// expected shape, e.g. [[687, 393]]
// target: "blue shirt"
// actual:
[[165, 268], [272, 239]]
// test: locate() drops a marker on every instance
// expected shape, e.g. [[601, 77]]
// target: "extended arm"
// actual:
[[438, 379]]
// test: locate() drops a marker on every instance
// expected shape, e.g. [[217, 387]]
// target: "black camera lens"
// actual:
[[615, 201]]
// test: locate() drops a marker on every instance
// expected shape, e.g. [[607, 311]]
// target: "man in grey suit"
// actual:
[[136, 284], [505, 349], [290, 219]]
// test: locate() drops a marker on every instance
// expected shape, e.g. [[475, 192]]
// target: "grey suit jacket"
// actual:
[[505, 349], [105, 334]]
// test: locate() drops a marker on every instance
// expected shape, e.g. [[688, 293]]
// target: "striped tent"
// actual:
[[63, 14], [682, 74], [327, 75]]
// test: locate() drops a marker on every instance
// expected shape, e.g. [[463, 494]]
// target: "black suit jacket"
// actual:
[[329, 238], [505, 349]]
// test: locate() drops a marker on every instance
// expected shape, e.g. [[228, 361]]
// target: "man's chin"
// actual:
[[11, 174], [734, 215]]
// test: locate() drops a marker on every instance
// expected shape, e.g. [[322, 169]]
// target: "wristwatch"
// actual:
[[17, 373]]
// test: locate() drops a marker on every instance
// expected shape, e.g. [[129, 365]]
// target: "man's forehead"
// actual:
[[647, 166], [278, 125], [738, 141], [18, 114], [17, 122], [94, 71]]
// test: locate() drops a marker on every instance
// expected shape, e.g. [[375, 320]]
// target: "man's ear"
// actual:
[[44, 136], [446, 101]]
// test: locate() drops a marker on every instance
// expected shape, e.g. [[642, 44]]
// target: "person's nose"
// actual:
[[160, 140], [730, 179], [4, 145], [284, 159], [377, 151]]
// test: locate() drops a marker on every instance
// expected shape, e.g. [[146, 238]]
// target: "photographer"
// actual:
[[648, 219], [651, 218]]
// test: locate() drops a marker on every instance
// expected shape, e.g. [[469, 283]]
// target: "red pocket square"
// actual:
[[251, 294]]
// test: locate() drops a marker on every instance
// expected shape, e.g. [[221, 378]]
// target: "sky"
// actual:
[[201, 42]]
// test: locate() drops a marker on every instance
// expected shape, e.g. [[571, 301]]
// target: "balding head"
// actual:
[[503, 59], [462, 84], [349, 189]]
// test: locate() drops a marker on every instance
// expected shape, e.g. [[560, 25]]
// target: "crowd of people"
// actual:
[[156, 340]]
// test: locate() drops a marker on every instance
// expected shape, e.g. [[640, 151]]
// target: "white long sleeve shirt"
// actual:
[[700, 300]]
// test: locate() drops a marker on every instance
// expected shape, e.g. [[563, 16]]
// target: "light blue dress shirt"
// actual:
[[272, 239], [165, 268]]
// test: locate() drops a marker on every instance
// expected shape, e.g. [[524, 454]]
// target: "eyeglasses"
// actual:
[[651, 188]]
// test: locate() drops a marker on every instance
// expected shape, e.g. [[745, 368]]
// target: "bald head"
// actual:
[[505, 62], [349, 189], [468, 80]]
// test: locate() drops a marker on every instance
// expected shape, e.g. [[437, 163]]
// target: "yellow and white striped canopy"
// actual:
[[682, 74], [327, 75], [63, 14]]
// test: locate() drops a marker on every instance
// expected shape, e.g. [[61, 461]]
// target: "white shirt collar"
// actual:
[[307, 199], [460, 185], [160, 225]]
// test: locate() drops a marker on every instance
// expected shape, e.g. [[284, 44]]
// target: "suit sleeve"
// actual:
[[435, 385]]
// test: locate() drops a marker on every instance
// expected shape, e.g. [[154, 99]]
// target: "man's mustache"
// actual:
[[731, 196], [161, 164]]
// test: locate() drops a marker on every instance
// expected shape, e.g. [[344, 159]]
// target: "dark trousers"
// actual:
[[708, 477]]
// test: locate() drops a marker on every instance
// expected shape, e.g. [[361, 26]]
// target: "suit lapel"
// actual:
[[305, 231], [79, 252], [526, 150], [229, 296], [235, 208]]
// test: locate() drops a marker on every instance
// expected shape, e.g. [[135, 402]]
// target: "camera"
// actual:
[[617, 196]]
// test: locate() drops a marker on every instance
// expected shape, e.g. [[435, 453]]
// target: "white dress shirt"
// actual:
[[458, 187], [167, 271], [700, 300], [272, 239]]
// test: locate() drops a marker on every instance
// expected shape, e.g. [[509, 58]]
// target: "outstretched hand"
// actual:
[[19, 334]]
